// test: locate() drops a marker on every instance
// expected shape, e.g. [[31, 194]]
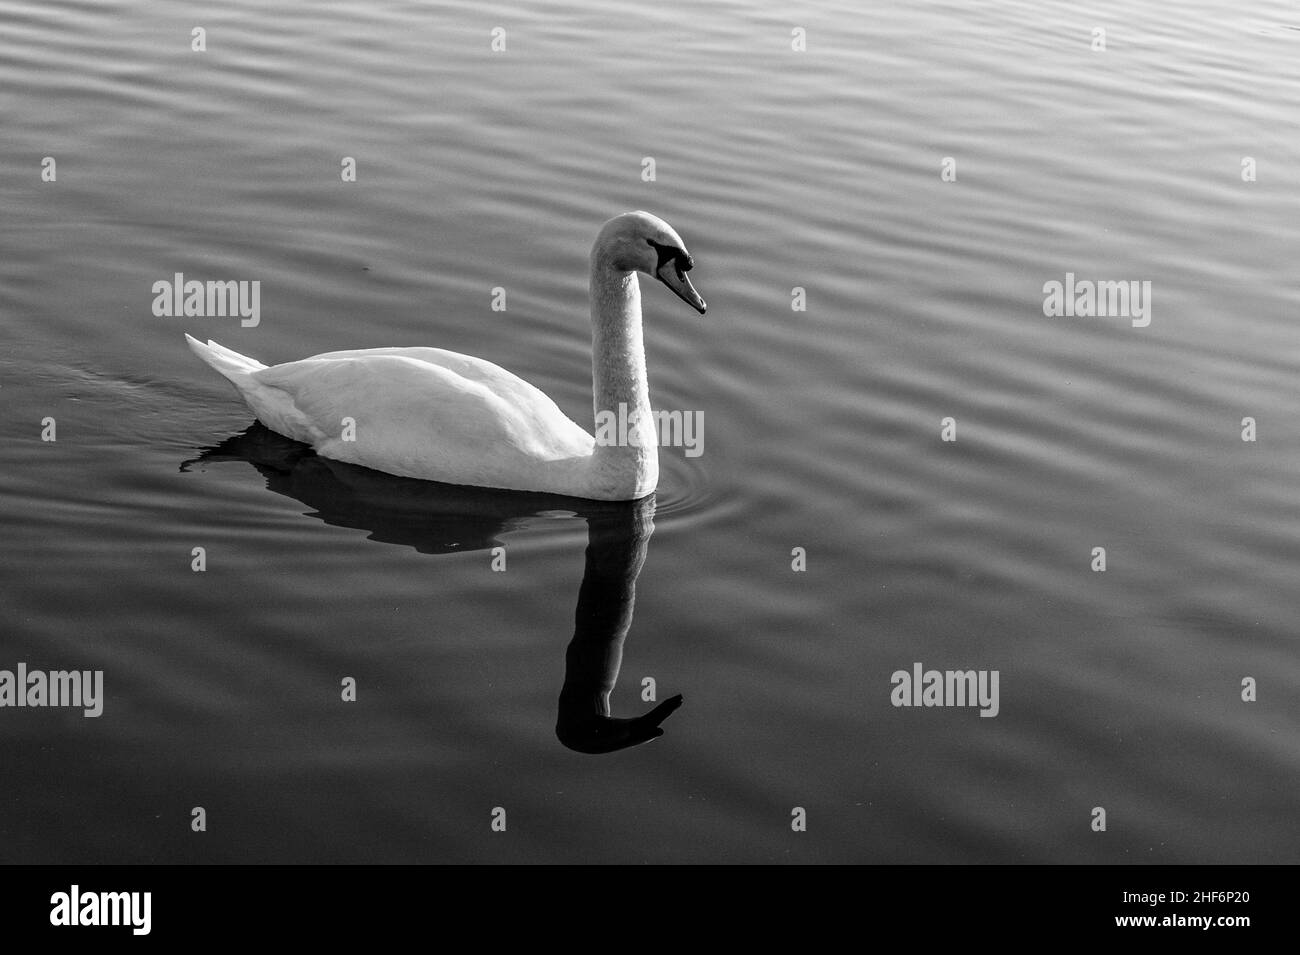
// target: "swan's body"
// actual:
[[441, 416]]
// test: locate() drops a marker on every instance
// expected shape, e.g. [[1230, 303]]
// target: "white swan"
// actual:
[[434, 414]]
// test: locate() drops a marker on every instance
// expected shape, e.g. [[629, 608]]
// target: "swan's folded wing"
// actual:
[[500, 382], [406, 408]]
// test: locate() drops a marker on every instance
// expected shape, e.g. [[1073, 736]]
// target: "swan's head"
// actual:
[[640, 242]]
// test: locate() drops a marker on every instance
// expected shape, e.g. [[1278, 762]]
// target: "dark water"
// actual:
[[781, 168]]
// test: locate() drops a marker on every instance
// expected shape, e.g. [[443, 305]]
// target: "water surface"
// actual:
[[817, 169]]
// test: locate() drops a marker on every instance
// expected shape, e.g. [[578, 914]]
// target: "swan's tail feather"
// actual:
[[231, 364], [273, 407]]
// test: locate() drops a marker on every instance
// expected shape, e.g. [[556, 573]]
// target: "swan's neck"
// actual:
[[626, 458]]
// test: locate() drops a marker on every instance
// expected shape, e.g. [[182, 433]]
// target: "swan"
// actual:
[[441, 416]]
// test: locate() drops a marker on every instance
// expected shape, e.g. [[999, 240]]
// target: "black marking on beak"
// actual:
[[671, 269], [668, 253]]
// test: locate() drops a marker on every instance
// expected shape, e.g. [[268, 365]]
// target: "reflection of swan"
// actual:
[[616, 546], [437, 415], [442, 518]]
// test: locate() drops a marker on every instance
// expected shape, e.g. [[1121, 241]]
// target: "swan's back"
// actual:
[[500, 381], [417, 412]]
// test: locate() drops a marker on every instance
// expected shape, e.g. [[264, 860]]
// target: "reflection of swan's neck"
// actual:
[[616, 549], [606, 600], [619, 385]]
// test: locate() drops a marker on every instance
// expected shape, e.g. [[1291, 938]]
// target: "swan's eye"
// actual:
[[670, 253]]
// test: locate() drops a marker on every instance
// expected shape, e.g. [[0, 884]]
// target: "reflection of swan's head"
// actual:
[[641, 242], [596, 734]]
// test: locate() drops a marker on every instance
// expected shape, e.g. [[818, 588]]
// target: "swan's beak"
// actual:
[[673, 275]]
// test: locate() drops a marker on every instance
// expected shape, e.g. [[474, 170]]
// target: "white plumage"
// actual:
[[438, 415]]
